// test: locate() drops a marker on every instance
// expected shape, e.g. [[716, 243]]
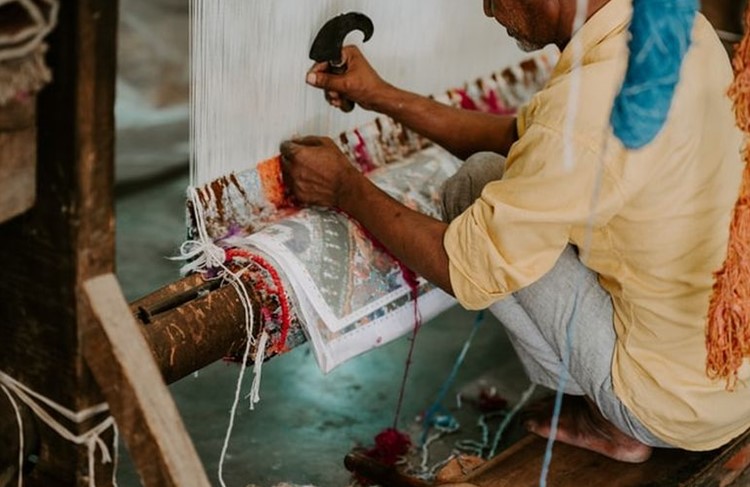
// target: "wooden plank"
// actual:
[[17, 172], [67, 237], [198, 333], [521, 464], [727, 466], [121, 361]]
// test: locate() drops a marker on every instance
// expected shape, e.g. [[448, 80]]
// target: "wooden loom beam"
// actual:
[[189, 324]]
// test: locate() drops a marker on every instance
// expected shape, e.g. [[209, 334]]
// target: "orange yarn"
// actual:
[[272, 182], [728, 328]]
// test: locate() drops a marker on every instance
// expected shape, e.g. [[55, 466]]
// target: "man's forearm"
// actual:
[[462, 132], [413, 238]]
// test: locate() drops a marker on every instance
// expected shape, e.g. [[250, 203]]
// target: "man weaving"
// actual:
[[634, 290]]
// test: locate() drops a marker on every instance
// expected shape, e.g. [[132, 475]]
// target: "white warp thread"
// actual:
[[91, 438], [249, 59]]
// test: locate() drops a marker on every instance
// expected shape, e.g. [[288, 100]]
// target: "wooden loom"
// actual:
[[68, 332]]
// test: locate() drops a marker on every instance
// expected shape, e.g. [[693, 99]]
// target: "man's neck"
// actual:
[[567, 26]]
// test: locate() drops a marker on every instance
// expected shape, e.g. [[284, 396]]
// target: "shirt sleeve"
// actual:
[[515, 232]]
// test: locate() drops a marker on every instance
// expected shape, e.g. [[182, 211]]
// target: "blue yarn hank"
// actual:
[[661, 32]]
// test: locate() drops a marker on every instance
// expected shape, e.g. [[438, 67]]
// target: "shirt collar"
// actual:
[[610, 20]]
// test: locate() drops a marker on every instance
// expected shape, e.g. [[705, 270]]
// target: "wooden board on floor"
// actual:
[[520, 466]]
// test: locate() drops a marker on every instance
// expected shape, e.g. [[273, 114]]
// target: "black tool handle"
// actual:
[[346, 104]]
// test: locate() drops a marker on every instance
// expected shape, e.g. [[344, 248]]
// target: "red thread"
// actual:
[[286, 320], [494, 105], [465, 101], [362, 155], [411, 279]]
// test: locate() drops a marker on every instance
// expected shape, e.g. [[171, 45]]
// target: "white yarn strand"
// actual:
[[19, 421], [574, 95], [240, 288], [525, 398], [200, 254], [91, 438], [260, 355]]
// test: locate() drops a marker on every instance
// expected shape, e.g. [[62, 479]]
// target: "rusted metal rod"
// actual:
[[192, 323]]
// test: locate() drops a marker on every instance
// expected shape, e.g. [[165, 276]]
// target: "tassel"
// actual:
[[728, 327], [260, 353]]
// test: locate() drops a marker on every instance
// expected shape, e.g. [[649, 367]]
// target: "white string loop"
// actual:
[[91, 438], [202, 254]]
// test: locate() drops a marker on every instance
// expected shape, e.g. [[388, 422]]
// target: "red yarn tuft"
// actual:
[[490, 401], [465, 101], [390, 446]]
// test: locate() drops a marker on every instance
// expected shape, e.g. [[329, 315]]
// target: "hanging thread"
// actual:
[[525, 398], [448, 383], [582, 7]]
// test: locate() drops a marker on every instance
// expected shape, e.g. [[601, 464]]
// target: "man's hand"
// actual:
[[360, 84], [316, 172]]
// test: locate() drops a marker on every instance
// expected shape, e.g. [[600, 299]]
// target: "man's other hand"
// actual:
[[316, 172], [360, 83]]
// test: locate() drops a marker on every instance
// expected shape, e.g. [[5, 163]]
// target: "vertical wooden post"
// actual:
[[68, 236]]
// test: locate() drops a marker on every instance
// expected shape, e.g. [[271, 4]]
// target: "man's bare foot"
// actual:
[[582, 425]]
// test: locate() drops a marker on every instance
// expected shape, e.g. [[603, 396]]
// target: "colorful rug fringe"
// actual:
[[728, 328]]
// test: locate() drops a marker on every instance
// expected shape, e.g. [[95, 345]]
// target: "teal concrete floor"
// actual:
[[306, 421]]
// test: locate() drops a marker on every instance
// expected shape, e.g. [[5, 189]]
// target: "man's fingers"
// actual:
[[287, 149], [326, 81], [309, 141], [349, 52], [319, 67]]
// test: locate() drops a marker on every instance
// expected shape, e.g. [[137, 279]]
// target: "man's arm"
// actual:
[[317, 173], [413, 238], [462, 132]]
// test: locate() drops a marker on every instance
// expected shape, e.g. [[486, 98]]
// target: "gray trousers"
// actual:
[[565, 312]]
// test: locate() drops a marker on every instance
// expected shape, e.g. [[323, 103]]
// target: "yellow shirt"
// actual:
[[660, 225]]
